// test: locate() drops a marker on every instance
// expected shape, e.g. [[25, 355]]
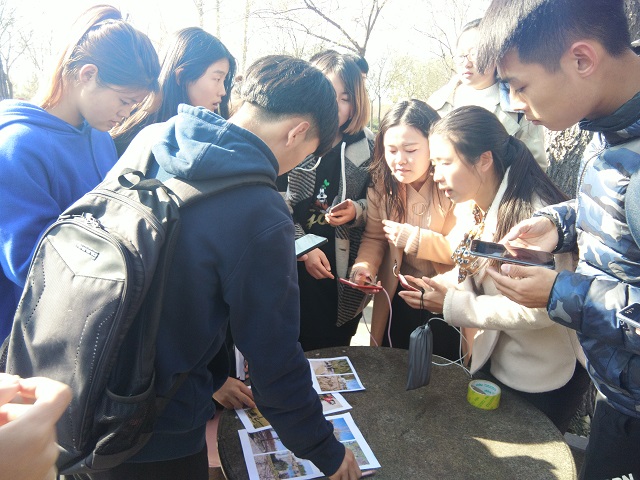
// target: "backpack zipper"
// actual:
[[157, 226]]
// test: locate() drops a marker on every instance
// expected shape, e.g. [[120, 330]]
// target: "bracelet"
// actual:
[[558, 228]]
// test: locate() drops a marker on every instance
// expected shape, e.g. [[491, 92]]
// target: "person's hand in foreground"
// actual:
[[349, 469], [528, 286], [234, 394], [399, 233], [29, 410], [432, 299], [317, 264], [538, 233], [362, 276], [340, 216]]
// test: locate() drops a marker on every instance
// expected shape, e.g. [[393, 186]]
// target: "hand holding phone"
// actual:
[[308, 242], [511, 254], [406, 285], [366, 287], [341, 213], [340, 206]]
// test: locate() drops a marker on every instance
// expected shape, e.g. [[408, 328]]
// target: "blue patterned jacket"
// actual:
[[608, 274]]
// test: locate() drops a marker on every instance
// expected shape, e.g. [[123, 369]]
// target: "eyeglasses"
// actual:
[[464, 58]]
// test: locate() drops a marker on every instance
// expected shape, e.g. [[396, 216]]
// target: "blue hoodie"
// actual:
[[45, 165], [234, 266]]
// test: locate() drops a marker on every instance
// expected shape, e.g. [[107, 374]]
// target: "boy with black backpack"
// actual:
[[234, 266], [568, 61]]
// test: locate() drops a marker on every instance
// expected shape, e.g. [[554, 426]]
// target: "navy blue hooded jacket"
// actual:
[[235, 266]]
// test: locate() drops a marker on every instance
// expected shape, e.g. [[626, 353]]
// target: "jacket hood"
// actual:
[[16, 111], [197, 144]]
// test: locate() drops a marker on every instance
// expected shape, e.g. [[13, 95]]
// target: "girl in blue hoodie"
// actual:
[[53, 152]]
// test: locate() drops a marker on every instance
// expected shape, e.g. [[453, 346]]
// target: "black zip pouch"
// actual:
[[420, 354]]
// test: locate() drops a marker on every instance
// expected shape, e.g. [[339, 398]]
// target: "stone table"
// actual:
[[432, 432]]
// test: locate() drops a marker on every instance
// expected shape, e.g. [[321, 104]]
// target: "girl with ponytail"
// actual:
[[476, 161], [54, 151]]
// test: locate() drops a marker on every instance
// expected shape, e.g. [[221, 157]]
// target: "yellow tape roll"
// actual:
[[483, 394]]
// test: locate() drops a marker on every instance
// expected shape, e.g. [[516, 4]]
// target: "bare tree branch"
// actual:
[[293, 17], [311, 6]]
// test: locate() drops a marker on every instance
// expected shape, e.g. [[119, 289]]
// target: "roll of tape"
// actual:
[[483, 394]]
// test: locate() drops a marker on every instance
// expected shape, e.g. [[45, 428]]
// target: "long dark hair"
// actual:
[[473, 131], [189, 53], [413, 113]]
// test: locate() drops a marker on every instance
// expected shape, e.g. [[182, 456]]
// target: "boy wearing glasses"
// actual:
[[469, 86]]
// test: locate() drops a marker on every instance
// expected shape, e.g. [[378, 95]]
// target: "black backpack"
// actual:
[[89, 313]]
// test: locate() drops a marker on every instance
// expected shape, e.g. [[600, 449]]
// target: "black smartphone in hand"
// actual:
[[510, 254], [308, 242]]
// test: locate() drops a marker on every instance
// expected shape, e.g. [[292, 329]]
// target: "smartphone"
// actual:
[[405, 284], [339, 206], [517, 255], [367, 287], [308, 242], [630, 315]]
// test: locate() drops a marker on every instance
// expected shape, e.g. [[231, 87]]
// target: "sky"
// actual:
[[396, 33]]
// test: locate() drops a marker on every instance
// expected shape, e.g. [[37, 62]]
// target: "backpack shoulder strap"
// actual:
[[191, 191], [138, 156]]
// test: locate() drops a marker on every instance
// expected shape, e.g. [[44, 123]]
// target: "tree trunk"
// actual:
[[245, 39], [564, 150], [633, 14], [218, 19], [5, 87]]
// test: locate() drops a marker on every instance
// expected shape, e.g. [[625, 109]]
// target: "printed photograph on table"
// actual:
[[267, 459], [331, 366], [253, 420], [334, 375], [333, 403]]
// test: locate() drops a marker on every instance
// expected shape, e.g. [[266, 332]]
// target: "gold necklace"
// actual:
[[469, 264]]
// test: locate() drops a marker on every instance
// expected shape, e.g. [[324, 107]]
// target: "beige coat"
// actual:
[[379, 255], [529, 352]]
